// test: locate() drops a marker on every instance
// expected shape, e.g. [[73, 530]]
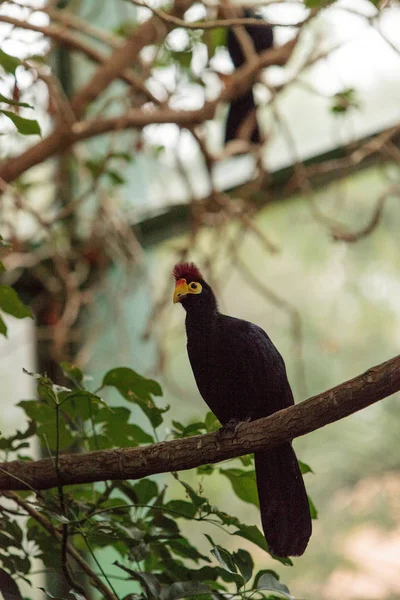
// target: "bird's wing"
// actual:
[[262, 366]]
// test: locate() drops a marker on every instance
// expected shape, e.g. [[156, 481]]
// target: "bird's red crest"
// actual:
[[186, 271]]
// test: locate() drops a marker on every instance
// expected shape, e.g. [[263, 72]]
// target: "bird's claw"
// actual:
[[230, 428]]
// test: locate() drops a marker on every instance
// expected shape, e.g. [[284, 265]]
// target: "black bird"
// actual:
[[242, 376], [242, 122]]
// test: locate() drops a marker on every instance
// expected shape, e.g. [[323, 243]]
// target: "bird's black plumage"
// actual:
[[241, 376], [244, 108]]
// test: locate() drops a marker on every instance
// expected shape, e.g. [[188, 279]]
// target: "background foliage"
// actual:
[[117, 172]]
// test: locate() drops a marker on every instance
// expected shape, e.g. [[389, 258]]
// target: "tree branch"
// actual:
[[133, 463], [61, 35], [61, 138], [46, 524]]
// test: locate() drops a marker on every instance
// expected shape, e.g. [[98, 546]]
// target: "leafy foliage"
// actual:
[[142, 523], [9, 300], [9, 65], [345, 100]]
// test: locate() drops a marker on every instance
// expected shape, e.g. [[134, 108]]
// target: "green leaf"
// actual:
[[346, 99], [186, 509], [76, 595], [3, 327], [184, 59], [11, 304], [24, 126], [211, 422], [195, 498], [45, 417], [215, 38], [185, 589], [224, 558], [149, 581], [253, 534], [268, 581], [72, 372], [48, 595], [318, 3], [3, 243], [246, 459], [78, 395], [8, 62], [8, 587], [145, 490], [182, 547], [119, 431], [261, 573], [205, 470], [131, 384], [182, 431], [135, 388], [11, 443], [14, 531], [244, 563], [243, 483], [139, 435], [304, 468], [313, 510], [115, 177], [14, 102]]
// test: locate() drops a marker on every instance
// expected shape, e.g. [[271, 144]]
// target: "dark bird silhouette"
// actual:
[[241, 376], [242, 121]]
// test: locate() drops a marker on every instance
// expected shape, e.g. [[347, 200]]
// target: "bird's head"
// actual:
[[191, 290]]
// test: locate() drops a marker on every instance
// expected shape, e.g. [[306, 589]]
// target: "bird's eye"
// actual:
[[193, 286]]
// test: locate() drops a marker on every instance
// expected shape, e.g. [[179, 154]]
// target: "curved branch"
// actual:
[[133, 463], [60, 34], [61, 139], [46, 524], [344, 235]]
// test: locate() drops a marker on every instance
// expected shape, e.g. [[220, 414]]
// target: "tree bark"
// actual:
[[134, 463]]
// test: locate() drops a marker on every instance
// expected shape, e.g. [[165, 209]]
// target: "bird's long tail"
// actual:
[[285, 513], [242, 120]]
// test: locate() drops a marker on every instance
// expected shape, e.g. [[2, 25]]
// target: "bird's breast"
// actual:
[[221, 379]]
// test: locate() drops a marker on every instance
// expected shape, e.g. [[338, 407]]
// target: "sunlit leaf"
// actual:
[[135, 388], [215, 38], [305, 468], [313, 510], [211, 422], [3, 327], [14, 102], [24, 126], [72, 372], [8, 62], [243, 483], [11, 304], [185, 509]]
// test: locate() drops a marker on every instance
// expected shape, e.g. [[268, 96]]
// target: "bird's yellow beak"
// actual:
[[181, 290]]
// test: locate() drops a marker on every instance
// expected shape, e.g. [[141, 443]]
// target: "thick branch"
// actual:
[[133, 463], [61, 139]]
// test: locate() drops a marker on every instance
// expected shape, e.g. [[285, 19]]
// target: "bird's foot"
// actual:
[[230, 428]]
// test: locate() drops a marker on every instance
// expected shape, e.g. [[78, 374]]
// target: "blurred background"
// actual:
[[298, 232]]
